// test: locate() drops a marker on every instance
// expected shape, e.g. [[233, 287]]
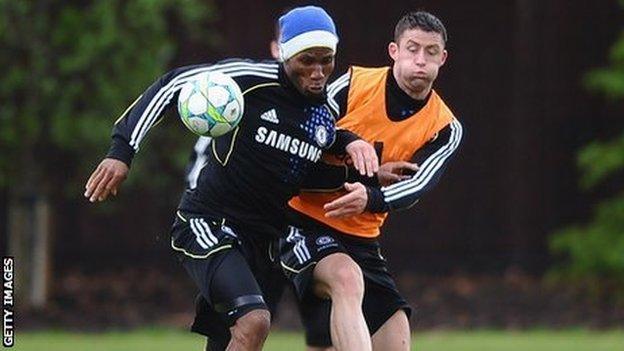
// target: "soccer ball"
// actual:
[[210, 104]]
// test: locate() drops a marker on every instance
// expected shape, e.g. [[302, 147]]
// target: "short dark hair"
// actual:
[[422, 20]]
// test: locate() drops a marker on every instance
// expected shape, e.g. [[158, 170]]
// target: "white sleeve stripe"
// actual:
[[232, 65], [154, 100], [338, 84], [148, 117], [344, 78], [152, 119], [337, 89], [334, 89], [200, 160], [430, 160], [410, 187], [165, 94], [331, 96], [334, 106], [430, 166], [425, 174]]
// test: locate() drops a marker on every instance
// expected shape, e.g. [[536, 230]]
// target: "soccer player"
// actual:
[[274, 286], [333, 251], [224, 225]]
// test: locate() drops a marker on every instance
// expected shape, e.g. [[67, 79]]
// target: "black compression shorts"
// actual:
[[232, 269]]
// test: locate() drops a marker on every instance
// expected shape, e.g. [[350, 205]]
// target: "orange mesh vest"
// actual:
[[366, 116]]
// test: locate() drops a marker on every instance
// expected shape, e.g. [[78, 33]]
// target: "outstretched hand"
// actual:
[[392, 172], [350, 204], [105, 180], [363, 156]]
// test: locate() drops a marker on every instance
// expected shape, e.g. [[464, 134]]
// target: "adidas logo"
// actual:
[[270, 116]]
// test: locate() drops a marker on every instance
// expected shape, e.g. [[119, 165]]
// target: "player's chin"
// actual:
[[420, 79], [419, 83], [315, 91]]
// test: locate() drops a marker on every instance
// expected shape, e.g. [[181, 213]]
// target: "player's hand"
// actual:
[[363, 156], [392, 172], [105, 180], [350, 204]]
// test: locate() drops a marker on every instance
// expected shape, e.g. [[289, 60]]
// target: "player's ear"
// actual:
[[275, 52], [444, 56], [393, 50]]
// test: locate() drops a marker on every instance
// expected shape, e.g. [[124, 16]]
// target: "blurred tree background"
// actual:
[[471, 254], [595, 251], [70, 68]]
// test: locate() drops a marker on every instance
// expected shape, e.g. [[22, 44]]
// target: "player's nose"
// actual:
[[317, 72]]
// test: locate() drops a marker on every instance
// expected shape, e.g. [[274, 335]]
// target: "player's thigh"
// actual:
[[299, 253], [394, 334], [213, 256], [227, 295], [227, 284]]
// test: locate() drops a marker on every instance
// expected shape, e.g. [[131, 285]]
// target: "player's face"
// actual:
[[310, 69], [417, 56]]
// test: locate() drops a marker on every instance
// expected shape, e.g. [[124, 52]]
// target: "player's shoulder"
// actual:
[[244, 66], [359, 73], [443, 107], [245, 72], [248, 72], [369, 69], [369, 74]]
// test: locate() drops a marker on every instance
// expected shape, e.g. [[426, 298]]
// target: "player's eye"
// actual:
[[327, 60], [306, 60]]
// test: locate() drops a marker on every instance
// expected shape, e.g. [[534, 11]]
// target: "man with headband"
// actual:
[[225, 224]]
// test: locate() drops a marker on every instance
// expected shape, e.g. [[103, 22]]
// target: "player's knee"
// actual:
[[252, 329], [346, 280]]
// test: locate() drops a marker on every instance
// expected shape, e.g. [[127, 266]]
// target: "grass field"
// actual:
[[159, 339]]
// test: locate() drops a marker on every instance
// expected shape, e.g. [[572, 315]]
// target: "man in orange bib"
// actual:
[[332, 254]]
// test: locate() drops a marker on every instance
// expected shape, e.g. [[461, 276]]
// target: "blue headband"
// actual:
[[306, 27]]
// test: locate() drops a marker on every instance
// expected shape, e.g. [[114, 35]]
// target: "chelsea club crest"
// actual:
[[321, 136]]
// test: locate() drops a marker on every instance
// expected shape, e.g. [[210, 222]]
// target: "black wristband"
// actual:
[[376, 202], [343, 138], [120, 150]]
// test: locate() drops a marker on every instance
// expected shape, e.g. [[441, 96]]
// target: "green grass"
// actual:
[[162, 339]]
